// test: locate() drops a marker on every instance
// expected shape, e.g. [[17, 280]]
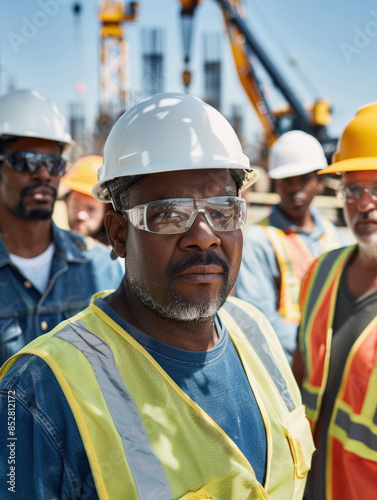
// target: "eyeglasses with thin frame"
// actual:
[[177, 215], [30, 161], [353, 192]]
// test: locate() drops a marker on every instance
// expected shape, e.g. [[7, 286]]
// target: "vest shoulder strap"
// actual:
[[320, 273], [257, 340], [331, 238]]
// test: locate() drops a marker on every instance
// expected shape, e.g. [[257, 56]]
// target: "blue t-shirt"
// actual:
[[48, 438]]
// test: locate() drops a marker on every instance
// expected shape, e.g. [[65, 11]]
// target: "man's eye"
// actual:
[[353, 190], [221, 218], [168, 217]]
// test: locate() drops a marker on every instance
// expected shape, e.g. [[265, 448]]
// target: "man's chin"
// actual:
[[183, 312], [178, 309], [38, 214], [368, 245]]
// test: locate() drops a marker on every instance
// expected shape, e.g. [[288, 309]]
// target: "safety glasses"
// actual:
[[353, 192], [177, 215], [28, 161]]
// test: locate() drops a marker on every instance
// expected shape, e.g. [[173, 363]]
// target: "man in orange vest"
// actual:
[[279, 249], [337, 360]]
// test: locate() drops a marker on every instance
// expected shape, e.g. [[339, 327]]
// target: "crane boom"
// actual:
[[244, 45]]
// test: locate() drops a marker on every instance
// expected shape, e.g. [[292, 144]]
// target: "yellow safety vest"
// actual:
[[145, 438], [294, 258]]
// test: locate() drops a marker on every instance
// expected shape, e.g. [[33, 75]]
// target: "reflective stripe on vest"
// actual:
[[316, 325], [290, 253], [255, 337], [356, 431], [294, 258], [148, 473]]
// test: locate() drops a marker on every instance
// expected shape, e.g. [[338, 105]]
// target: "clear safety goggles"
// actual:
[[353, 192], [177, 215], [30, 161]]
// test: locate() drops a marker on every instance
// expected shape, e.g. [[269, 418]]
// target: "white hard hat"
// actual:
[[169, 132], [295, 153], [26, 113]]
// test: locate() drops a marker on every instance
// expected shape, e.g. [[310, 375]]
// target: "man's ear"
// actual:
[[117, 232], [321, 185]]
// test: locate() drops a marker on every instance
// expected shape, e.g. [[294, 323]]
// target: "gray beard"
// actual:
[[367, 242], [369, 248], [176, 308]]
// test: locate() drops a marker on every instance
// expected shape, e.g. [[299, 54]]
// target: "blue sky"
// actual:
[[334, 43]]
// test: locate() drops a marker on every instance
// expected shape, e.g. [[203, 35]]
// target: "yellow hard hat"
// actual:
[[82, 175], [357, 146]]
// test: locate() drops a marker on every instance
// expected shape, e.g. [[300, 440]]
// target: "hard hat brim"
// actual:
[[100, 192], [292, 170], [80, 187], [251, 178], [351, 165]]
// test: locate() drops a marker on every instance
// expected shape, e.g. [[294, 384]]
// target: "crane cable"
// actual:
[[282, 47]]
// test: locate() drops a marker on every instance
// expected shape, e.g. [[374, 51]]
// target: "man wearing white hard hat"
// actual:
[[279, 249], [336, 362], [165, 388], [46, 274]]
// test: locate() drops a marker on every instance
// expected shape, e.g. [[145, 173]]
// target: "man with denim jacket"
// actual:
[[46, 274]]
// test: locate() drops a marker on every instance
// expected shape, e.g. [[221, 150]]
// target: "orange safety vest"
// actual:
[[294, 258], [351, 455]]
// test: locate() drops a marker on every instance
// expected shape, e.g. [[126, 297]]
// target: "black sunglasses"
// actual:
[[28, 161]]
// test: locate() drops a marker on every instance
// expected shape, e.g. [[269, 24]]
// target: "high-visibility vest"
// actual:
[[294, 258], [145, 438], [351, 454]]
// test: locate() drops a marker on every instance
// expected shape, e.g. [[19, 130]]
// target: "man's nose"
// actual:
[[41, 173], [200, 235], [82, 215], [365, 202]]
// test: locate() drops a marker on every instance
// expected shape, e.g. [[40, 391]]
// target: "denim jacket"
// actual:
[[79, 269]]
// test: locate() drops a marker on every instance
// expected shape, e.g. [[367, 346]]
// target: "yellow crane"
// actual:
[[113, 54], [244, 47]]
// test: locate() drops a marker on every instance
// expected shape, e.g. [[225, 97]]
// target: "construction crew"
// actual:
[[85, 214], [337, 359], [163, 388], [46, 274], [279, 249]]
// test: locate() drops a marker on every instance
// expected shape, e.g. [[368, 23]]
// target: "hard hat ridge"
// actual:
[[169, 132]]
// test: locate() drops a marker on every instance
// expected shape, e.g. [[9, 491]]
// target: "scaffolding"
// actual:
[[212, 67], [153, 61]]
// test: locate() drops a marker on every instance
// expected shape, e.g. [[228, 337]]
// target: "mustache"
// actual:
[[205, 259], [25, 191], [371, 215]]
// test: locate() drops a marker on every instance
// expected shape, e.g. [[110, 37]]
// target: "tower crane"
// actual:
[[113, 55]]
